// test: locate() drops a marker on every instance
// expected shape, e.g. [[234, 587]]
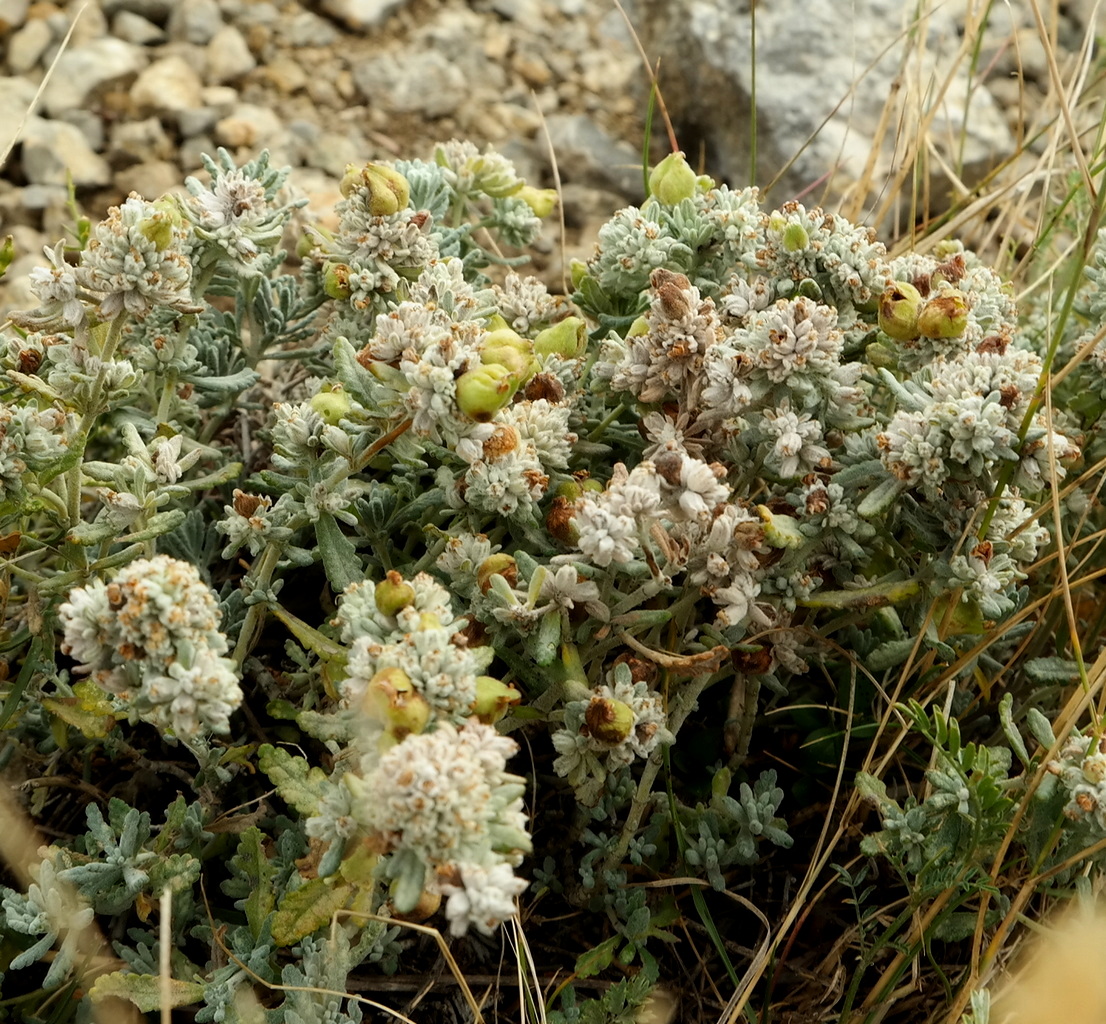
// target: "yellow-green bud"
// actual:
[[899, 306], [331, 405], [591, 484], [542, 201], [493, 698], [780, 531], [945, 315], [639, 328], [501, 564], [428, 620], [388, 190], [482, 392], [577, 271], [567, 338], [158, 227], [608, 720], [570, 490], [504, 347], [336, 280], [672, 180], [795, 237], [392, 700], [393, 594]]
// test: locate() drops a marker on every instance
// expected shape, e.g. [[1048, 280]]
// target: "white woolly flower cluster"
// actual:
[[152, 636], [964, 414], [422, 640], [1081, 768], [806, 244], [621, 721], [510, 458], [29, 439], [682, 326], [137, 260], [672, 485], [445, 799]]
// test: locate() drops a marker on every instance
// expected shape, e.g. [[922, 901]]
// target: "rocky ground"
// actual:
[[145, 87]]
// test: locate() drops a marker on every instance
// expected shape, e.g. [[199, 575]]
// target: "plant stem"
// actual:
[[682, 706]]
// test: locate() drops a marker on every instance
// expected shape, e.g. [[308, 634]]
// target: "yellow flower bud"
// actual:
[[393, 594], [899, 306], [945, 315], [482, 392], [542, 201], [567, 338], [331, 405], [608, 720], [672, 180], [493, 699], [388, 190]]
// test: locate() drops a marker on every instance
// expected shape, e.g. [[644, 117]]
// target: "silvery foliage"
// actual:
[[720, 443]]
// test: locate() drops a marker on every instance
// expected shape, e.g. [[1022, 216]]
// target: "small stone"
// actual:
[[588, 155], [156, 11], [360, 15], [334, 151], [151, 178], [421, 82], [247, 126], [133, 28], [195, 22], [534, 71], [307, 29], [228, 56], [88, 20], [285, 75], [135, 141], [12, 14], [27, 45], [79, 72], [51, 148], [90, 124], [168, 85]]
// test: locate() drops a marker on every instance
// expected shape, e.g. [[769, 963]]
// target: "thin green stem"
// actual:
[[682, 706]]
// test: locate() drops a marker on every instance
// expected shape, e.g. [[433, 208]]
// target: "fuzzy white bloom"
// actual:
[[136, 259], [57, 289], [605, 537], [485, 897], [152, 635], [446, 798], [193, 696], [359, 616], [796, 441], [1081, 768], [622, 720]]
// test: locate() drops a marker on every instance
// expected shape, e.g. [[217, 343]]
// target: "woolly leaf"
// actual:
[[145, 990], [253, 875], [340, 559], [308, 909], [299, 785]]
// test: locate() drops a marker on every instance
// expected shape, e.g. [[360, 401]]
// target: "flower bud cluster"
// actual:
[[1081, 768], [621, 720], [444, 805], [152, 636]]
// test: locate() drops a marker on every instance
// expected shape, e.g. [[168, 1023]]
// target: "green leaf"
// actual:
[[597, 960], [1051, 670], [891, 592], [253, 872], [308, 909], [340, 558], [144, 990], [299, 784]]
